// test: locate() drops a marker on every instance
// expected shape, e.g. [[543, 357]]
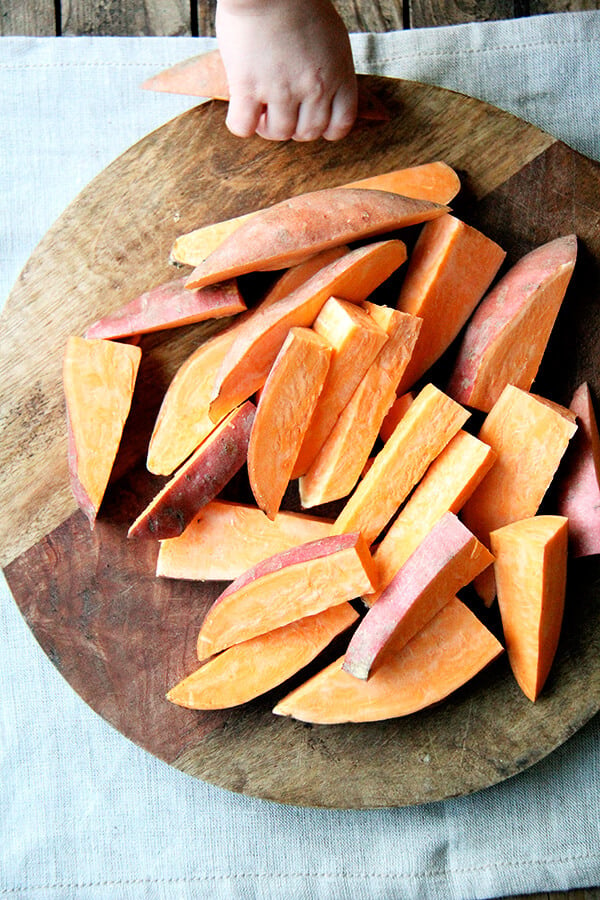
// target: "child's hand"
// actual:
[[289, 69]]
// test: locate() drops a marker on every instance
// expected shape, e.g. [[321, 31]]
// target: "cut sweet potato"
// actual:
[[342, 458], [450, 269], [444, 655], [506, 339], [395, 413], [434, 181], [446, 560], [579, 493], [183, 421], [251, 668], [199, 480], [430, 423], [287, 403], [448, 482], [356, 340], [258, 341], [529, 435], [292, 230], [531, 573], [170, 305], [226, 538], [205, 76], [291, 585], [98, 380]]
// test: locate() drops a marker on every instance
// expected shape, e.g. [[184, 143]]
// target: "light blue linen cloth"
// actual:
[[86, 814]]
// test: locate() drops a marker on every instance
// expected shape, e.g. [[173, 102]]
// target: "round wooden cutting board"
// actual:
[[120, 636]]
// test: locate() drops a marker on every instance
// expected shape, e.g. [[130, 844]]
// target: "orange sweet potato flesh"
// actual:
[[292, 230], [579, 492], [448, 482], [205, 76], [450, 269], [199, 479], [183, 421], [446, 560], [434, 181], [356, 339], [430, 423], [531, 572], [529, 436], [98, 381], [169, 305], [506, 339], [253, 667], [288, 586], [443, 656], [227, 538], [258, 340], [395, 413], [342, 458], [287, 402]]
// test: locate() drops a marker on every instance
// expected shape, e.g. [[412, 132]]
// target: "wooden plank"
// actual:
[[375, 15], [28, 18], [432, 13], [152, 17], [537, 7], [205, 17]]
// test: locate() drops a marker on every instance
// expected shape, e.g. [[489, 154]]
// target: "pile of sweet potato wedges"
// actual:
[[323, 383]]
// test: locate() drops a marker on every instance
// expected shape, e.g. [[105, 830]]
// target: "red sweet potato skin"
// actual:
[[169, 305], [447, 559], [294, 229], [505, 340], [579, 488], [303, 553], [199, 480]]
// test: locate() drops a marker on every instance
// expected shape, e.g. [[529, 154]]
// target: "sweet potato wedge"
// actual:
[[98, 381], [287, 403], [395, 413], [342, 458], [199, 480], [444, 655], [430, 423], [531, 572], [434, 181], [446, 560], [448, 482], [169, 305], [579, 492], [253, 667], [292, 230], [506, 339], [356, 339], [183, 421], [529, 435], [258, 340], [450, 269], [204, 76], [291, 585], [227, 538]]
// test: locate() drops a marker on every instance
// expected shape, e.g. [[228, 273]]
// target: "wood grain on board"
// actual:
[[122, 637]]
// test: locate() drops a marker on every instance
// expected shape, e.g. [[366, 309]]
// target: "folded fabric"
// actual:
[[86, 814]]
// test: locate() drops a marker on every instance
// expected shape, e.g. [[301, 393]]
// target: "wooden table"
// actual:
[[196, 17]]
